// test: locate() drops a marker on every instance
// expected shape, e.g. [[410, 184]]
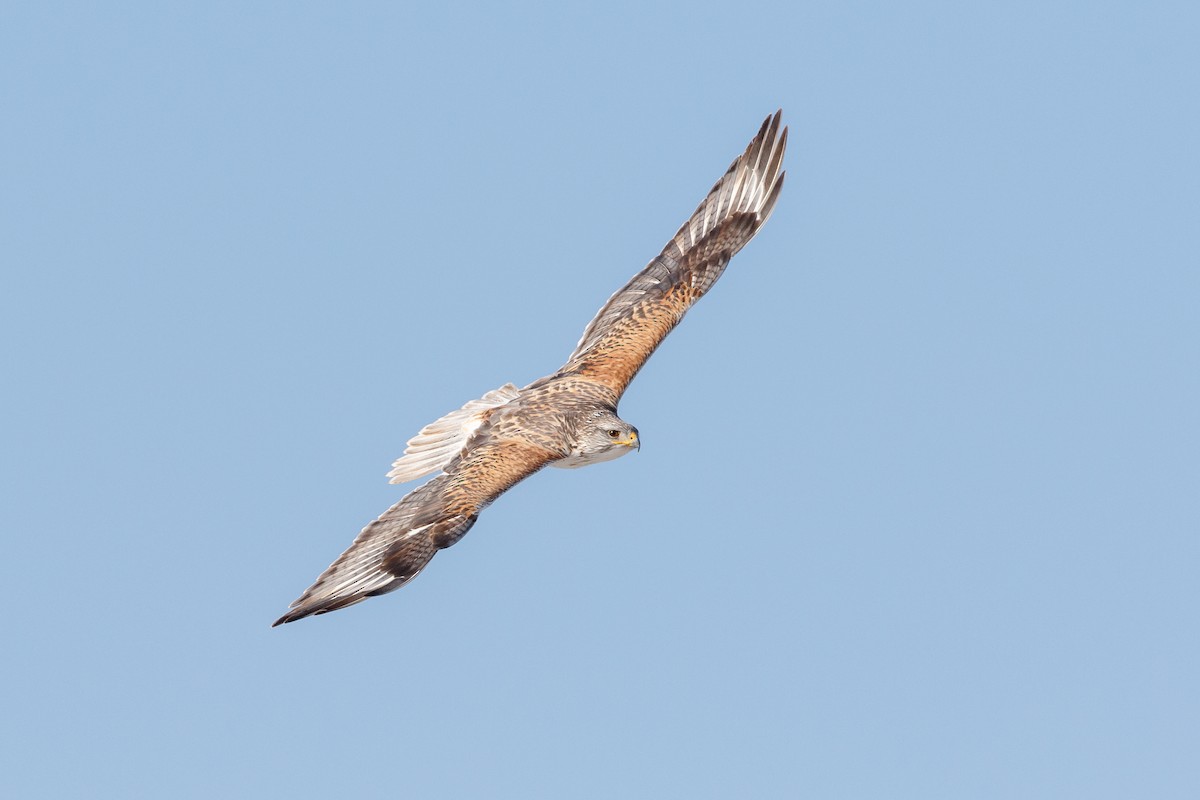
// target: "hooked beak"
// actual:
[[631, 441]]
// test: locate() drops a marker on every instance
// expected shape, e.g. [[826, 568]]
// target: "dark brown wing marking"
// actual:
[[394, 548], [637, 318]]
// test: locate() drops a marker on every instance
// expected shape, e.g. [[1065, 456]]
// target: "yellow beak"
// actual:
[[630, 441]]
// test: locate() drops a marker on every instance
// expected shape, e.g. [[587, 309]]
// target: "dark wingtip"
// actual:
[[290, 616], [311, 609]]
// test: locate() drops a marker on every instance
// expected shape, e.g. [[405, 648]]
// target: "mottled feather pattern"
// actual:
[[488, 445], [390, 551], [489, 469], [637, 318]]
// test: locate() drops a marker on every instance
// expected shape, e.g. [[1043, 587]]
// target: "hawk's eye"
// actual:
[[613, 434]]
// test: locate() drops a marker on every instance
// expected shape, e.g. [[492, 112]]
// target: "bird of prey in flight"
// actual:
[[567, 419]]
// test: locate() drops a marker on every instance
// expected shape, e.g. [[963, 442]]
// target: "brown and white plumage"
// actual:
[[567, 419], [639, 316], [439, 442]]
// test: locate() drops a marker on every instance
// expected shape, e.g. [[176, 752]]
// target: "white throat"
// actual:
[[577, 459]]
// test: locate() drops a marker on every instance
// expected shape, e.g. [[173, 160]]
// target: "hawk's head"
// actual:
[[601, 436]]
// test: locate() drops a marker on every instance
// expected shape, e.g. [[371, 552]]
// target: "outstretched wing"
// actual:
[[394, 548], [637, 318]]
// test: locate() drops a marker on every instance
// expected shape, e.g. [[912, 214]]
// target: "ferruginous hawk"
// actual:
[[568, 419]]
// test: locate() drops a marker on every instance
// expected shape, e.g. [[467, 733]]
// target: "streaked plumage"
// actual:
[[567, 419]]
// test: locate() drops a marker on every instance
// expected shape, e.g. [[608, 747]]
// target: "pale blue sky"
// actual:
[[917, 513]]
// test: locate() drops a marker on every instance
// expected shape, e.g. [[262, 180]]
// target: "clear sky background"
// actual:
[[917, 513]]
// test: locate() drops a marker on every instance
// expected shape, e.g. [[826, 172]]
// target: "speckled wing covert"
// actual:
[[637, 318], [484, 448]]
